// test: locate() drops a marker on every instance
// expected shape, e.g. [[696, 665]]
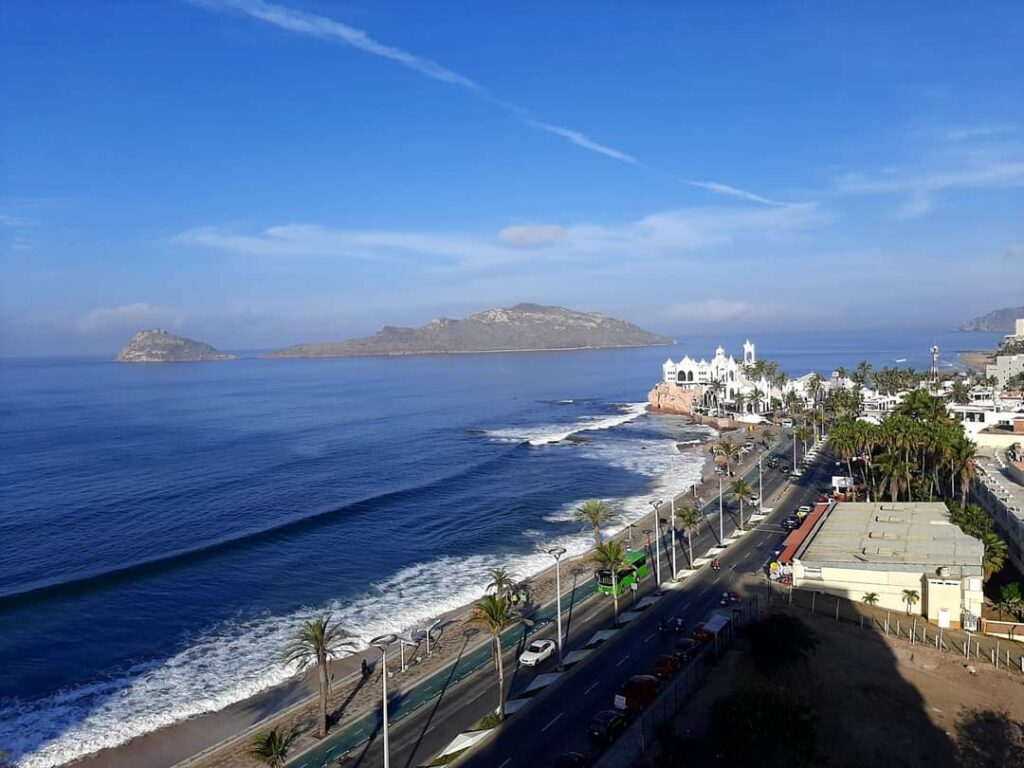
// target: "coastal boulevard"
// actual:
[[556, 720]]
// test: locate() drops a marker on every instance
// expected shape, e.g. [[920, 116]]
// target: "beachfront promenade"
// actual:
[[455, 680]]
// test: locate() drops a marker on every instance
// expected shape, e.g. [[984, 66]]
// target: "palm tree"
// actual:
[[729, 452], [502, 582], [611, 557], [910, 597], [960, 392], [271, 748], [740, 400], [317, 642], [803, 435], [995, 555], [757, 398], [741, 490], [495, 614], [870, 598], [863, 372], [1011, 600], [595, 513], [689, 518], [965, 456]]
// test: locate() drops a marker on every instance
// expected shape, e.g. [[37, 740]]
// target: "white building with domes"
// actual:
[[734, 377]]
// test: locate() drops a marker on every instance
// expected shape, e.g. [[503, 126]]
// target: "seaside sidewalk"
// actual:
[[221, 738]]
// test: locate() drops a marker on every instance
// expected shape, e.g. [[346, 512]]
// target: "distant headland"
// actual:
[[159, 346], [999, 320], [522, 328]]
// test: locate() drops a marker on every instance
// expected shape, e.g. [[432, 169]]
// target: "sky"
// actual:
[[255, 174]]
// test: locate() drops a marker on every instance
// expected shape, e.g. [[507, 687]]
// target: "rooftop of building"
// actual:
[[888, 535]]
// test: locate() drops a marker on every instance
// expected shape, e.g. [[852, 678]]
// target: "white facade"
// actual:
[[732, 376]]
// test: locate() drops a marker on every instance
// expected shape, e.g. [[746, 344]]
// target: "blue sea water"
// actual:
[[164, 528]]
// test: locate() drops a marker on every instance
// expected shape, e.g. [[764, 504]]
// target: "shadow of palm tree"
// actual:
[[989, 739]]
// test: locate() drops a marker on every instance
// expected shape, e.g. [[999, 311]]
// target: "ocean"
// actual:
[[164, 528]]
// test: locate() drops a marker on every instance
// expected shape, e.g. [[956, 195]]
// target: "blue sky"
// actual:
[[255, 174]]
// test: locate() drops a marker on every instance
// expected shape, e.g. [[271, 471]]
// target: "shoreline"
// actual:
[[215, 738]]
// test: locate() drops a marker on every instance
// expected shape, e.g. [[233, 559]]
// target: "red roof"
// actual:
[[793, 542]]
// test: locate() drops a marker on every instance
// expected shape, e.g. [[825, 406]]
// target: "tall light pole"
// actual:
[[721, 513], [557, 552], [760, 484], [657, 544], [381, 643], [672, 527]]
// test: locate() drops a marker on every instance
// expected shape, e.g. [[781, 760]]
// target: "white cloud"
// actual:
[[127, 317], [667, 234], [979, 132], [532, 234], [920, 188]]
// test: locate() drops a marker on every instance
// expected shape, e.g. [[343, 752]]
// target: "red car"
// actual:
[[637, 692], [701, 635], [666, 666]]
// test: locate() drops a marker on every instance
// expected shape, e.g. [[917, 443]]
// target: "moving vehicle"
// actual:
[[803, 511], [791, 523], [784, 469], [607, 725], [637, 569], [536, 652], [666, 666], [637, 692]]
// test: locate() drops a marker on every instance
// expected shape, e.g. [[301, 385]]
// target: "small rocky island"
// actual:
[[159, 346], [524, 327]]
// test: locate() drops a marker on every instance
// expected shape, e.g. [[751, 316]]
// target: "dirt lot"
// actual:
[[881, 703]]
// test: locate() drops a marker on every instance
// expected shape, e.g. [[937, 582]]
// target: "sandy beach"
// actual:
[[219, 738]]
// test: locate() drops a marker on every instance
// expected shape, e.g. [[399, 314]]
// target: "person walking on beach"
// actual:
[[365, 668]]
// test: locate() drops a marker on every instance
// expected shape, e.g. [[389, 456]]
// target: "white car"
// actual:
[[536, 652]]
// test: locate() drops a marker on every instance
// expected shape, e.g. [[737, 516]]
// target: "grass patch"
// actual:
[[492, 720]]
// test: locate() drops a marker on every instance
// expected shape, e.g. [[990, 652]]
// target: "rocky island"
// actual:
[[159, 346], [524, 327]]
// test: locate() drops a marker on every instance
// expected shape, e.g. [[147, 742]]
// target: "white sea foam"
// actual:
[[546, 434], [236, 660]]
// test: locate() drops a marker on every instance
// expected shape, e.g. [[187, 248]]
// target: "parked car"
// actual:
[[571, 760], [787, 423], [666, 666], [686, 649], [637, 692], [607, 725], [803, 511], [536, 652], [791, 523], [701, 635], [754, 499]]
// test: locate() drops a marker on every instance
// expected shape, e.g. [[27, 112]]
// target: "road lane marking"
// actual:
[[507, 761], [592, 687], [716, 579], [619, 662], [648, 638], [557, 718]]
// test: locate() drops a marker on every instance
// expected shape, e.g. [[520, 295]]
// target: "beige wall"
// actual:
[[854, 583]]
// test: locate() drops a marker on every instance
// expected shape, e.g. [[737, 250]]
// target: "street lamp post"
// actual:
[[557, 552], [721, 513], [381, 643], [657, 545], [672, 527], [760, 484]]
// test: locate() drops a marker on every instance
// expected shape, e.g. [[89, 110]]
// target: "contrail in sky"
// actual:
[[324, 28]]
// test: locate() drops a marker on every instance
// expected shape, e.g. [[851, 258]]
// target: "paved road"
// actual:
[[557, 721]]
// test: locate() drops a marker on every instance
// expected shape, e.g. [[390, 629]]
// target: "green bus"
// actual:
[[636, 570]]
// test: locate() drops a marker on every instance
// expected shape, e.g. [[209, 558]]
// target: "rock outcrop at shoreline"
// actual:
[[159, 346], [665, 398], [524, 327]]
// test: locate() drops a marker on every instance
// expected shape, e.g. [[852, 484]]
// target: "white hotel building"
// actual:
[[732, 374]]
